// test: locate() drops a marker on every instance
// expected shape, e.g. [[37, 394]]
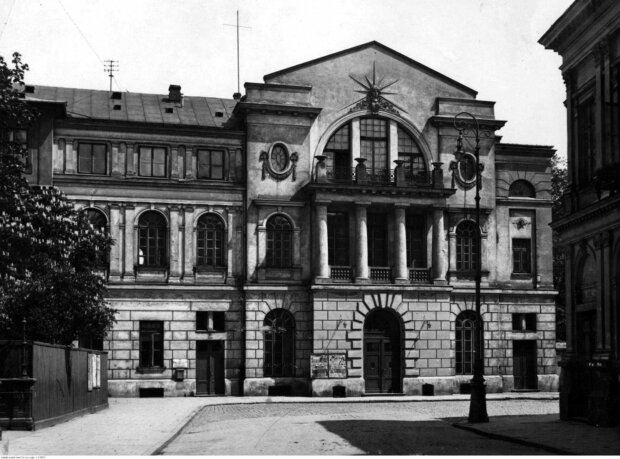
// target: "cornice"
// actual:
[[483, 123], [366, 190], [601, 208], [278, 109]]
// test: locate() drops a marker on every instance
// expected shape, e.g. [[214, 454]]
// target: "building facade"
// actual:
[[587, 36], [313, 235]]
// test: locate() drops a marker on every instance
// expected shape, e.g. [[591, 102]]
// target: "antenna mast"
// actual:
[[238, 60], [110, 66]]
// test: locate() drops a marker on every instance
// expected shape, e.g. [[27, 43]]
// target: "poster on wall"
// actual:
[[328, 366]]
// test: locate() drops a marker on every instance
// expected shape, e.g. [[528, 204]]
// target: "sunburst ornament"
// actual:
[[374, 92]]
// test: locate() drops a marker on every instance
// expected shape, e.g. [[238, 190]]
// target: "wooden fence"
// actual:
[[43, 384]]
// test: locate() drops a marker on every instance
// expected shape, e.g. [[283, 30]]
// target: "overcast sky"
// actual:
[[488, 45]]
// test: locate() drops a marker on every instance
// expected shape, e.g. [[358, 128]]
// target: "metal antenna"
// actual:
[[110, 66], [238, 66]]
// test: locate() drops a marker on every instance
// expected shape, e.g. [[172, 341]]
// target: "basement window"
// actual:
[[524, 322]]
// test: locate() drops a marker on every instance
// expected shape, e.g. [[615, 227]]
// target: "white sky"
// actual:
[[488, 45]]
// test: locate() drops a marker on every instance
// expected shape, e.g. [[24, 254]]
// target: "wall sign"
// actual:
[[323, 366]]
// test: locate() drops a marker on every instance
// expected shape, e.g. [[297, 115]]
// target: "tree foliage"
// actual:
[[50, 254], [559, 184]]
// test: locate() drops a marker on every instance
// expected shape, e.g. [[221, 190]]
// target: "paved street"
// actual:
[[347, 428]]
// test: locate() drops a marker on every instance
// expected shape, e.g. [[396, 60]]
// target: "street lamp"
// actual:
[[478, 403]]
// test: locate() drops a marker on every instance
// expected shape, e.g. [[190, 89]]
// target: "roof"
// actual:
[[136, 107], [382, 47]]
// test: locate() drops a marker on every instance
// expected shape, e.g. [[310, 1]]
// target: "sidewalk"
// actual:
[[139, 426]]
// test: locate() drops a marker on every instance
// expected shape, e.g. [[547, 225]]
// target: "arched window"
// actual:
[[279, 242], [465, 336], [279, 344], [99, 222], [522, 189], [409, 152], [152, 250], [210, 241], [466, 246]]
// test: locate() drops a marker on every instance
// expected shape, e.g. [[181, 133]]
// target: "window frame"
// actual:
[[209, 152], [522, 256], [145, 232], [151, 332], [9, 134], [92, 144], [466, 247], [103, 259], [411, 228], [214, 256], [338, 239], [279, 341], [339, 171], [378, 239], [374, 168], [465, 333], [279, 247], [152, 148]]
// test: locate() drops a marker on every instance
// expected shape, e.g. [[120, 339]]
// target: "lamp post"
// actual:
[[478, 403]]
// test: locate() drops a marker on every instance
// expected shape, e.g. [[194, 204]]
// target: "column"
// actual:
[[400, 236], [129, 251], [569, 311], [174, 163], [190, 254], [131, 162], [122, 158], [608, 317], [58, 155], [175, 268], [362, 273], [230, 245], [115, 249], [440, 248], [116, 166], [322, 272], [355, 141]]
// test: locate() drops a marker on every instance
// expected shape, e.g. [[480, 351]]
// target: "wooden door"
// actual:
[[524, 364], [381, 365], [210, 368]]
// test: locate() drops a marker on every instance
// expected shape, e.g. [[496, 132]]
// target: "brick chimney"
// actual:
[[174, 94]]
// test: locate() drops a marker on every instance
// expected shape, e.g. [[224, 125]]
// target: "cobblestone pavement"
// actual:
[[347, 428]]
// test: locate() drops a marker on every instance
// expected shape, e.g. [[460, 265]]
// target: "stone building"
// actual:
[[314, 233], [587, 36]]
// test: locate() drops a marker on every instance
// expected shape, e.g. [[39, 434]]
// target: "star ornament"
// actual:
[[374, 92]]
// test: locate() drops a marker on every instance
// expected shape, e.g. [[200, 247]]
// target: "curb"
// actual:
[[519, 441], [159, 450]]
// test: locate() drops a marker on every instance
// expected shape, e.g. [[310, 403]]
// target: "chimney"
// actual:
[[174, 94]]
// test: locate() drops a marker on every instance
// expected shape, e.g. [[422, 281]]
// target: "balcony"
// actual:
[[380, 275]]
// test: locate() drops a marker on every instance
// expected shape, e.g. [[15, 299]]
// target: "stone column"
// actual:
[[122, 158], [440, 248], [362, 272], [116, 165], [355, 140], [174, 163], [130, 213], [190, 253], [131, 161], [175, 264], [58, 155], [400, 236], [116, 267], [230, 245], [322, 272], [608, 318]]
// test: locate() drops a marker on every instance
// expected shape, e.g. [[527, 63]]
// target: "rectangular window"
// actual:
[[416, 241], [151, 344], [92, 158], [374, 145], [586, 141], [210, 164], [338, 239], [615, 114], [210, 321], [152, 162], [522, 256], [377, 240], [524, 321], [20, 137]]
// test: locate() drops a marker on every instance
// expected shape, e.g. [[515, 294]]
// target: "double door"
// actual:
[[210, 368], [381, 364]]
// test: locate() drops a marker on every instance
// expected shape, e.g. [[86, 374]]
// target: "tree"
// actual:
[[559, 184], [49, 252]]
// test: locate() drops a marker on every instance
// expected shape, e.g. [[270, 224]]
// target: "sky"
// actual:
[[489, 45]]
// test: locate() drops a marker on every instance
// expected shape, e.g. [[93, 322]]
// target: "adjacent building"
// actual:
[[587, 36], [313, 235]]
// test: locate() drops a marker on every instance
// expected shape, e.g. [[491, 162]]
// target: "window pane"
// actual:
[[146, 157], [159, 162], [204, 169], [84, 158], [99, 159]]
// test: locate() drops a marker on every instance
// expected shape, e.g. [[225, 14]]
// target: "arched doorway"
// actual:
[[382, 352]]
